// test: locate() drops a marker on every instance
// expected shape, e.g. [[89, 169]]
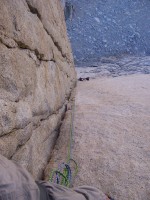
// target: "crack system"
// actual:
[[38, 55], [22, 45], [34, 10]]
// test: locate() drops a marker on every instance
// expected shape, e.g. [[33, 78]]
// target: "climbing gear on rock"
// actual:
[[66, 172]]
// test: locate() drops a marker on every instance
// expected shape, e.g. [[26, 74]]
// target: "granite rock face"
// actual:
[[108, 28], [36, 80]]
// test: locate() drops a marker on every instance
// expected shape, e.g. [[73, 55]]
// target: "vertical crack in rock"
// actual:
[[55, 42], [34, 10]]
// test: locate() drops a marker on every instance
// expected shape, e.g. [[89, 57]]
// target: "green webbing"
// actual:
[[71, 134]]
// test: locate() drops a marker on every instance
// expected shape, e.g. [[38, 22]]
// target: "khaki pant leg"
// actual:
[[15, 182], [58, 192]]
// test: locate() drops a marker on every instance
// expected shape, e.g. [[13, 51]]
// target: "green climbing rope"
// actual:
[[63, 175], [71, 134]]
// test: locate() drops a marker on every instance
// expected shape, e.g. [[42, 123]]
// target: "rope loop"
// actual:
[[63, 175]]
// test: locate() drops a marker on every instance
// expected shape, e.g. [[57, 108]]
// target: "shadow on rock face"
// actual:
[[69, 10]]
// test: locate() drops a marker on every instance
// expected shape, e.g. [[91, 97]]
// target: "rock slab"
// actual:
[[112, 135]]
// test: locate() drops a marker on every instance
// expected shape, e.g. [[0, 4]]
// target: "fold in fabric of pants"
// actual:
[[17, 184], [43, 192], [58, 192]]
